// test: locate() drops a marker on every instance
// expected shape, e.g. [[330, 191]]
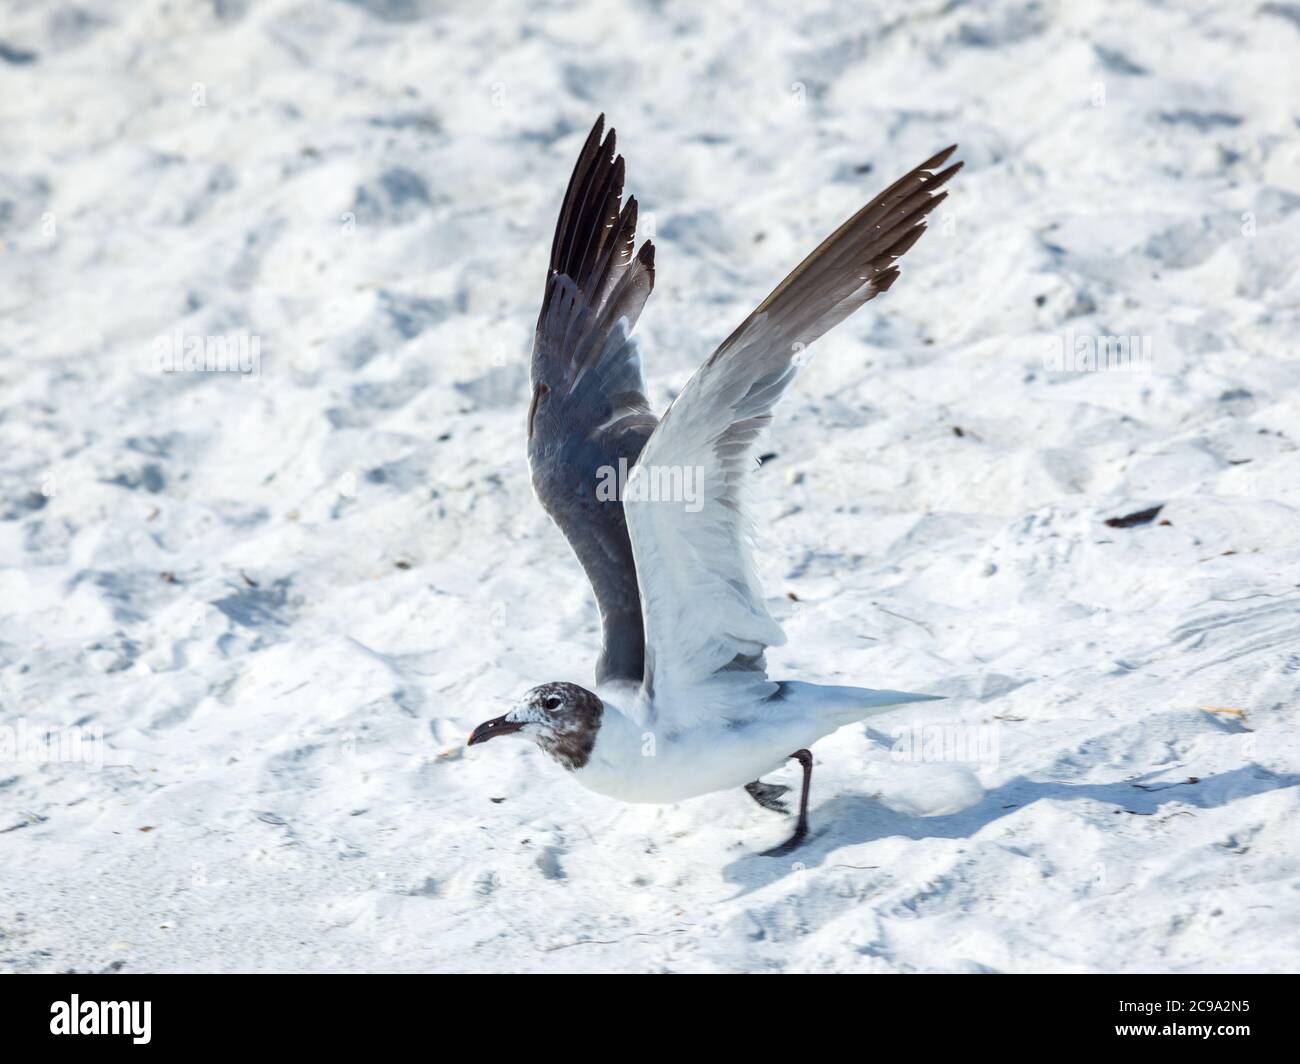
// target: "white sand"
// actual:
[[359, 572]]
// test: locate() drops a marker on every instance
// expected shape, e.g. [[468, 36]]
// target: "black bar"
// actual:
[[931, 1012]]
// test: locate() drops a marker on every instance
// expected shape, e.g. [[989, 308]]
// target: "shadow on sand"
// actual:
[[849, 819]]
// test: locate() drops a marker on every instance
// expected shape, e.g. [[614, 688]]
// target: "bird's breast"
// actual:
[[637, 765]]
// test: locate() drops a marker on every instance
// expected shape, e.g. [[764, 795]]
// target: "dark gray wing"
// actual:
[[589, 417]]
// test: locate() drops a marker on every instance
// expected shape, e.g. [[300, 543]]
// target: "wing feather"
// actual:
[[706, 623], [589, 412]]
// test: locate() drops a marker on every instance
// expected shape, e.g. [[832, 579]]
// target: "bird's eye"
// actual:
[[551, 702]]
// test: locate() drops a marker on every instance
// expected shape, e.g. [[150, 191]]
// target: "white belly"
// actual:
[[637, 766]]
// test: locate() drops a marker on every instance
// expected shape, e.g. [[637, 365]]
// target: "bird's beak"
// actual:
[[490, 729]]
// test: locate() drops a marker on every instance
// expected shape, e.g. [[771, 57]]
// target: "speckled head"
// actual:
[[561, 718]]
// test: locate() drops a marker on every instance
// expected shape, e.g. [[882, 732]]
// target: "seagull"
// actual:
[[682, 703]]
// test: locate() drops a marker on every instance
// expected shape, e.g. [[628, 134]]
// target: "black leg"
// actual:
[[801, 828], [768, 795]]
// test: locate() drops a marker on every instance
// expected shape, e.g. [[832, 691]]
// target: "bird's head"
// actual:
[[561, 718]]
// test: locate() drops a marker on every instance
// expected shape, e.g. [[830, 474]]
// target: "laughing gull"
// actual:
[[682, 704]]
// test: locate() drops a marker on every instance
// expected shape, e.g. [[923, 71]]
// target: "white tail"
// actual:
[[847, 704]]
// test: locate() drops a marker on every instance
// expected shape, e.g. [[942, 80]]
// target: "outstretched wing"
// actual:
[[589, 416], [706, 623]]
